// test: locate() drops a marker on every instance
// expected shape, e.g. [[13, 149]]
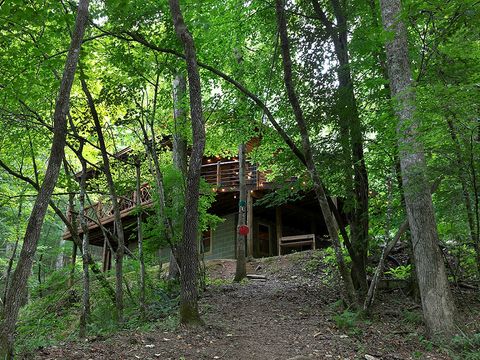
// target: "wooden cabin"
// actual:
[[293, 226]]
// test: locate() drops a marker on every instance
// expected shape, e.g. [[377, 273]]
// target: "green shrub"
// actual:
[[53, 313], [466, 347], [348, 321], [401, 272], [313, 263]]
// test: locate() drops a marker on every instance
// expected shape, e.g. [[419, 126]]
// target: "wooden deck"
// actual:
[[221, 175]]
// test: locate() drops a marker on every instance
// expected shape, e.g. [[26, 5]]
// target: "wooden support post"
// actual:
[[250, 224], [219, 176], [313, 226], [278, 223], [72, 269], [104, 255]]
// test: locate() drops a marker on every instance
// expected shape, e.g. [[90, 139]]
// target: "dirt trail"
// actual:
[[285, 317]]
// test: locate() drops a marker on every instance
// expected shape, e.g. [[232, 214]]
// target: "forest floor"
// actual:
[[293, 314]]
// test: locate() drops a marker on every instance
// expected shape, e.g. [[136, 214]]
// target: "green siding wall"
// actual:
[[223, 239]]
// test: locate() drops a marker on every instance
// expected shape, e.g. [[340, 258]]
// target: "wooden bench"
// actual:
[[296, 241]]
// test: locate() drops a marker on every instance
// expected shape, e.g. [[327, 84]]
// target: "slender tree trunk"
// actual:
[[179, 158], [437, 301], [188, 254], [466, 195], [9, 314], [140, 241], [74, 224], [381, 264], [39, 275], [14, 252], [352, 142], [155, 169], [349, 292], [85, 313], [241, 269], [116, 209], [77, 242], [476, 197]]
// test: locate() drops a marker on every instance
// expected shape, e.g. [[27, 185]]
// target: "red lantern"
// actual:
[[243, 230]]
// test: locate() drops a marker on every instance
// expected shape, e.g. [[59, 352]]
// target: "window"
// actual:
[[206, 244]]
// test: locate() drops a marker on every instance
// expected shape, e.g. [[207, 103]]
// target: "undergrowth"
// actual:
[[53, 312]]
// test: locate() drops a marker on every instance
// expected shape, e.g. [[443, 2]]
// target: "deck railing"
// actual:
[[221, 175], [102, 211]]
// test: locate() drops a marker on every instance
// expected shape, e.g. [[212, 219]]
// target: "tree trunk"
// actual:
[[188, 254], [85, 313], [140, 241], [241, 269], [466, 195], [437, 301], [349, 292], [116, 209], [352, 142], [9, 314], [14, 251], [179, 159], [72, 229]]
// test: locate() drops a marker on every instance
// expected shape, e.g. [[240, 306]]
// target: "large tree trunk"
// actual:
[[116, 208], [349, 292], [437, 301], [9, 314], [188, 247], [241, 268]]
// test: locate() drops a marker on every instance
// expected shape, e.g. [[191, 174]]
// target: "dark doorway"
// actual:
[[263, 240]]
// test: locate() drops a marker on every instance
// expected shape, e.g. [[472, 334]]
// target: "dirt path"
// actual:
[[285, 317]]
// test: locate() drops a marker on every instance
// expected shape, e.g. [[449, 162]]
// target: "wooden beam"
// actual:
[[278, 224], [250, 224], [104, 255], [219, 176], [302, 212]]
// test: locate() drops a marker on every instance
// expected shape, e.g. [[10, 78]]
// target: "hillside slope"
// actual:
[[293, 314]]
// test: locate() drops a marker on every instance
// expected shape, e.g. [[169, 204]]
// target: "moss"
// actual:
[[189, 315]]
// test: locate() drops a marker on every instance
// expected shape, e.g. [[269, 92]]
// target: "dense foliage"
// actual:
[[129, 58]]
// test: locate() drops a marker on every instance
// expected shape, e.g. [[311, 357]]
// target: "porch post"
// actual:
[[278, 224], [250, 224], [105, 255]]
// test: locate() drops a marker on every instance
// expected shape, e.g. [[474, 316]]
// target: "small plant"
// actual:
[[348, 320], [412, 317], [331, 259], [466, 347], [217, 282], [314, 262], [401, 272]]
